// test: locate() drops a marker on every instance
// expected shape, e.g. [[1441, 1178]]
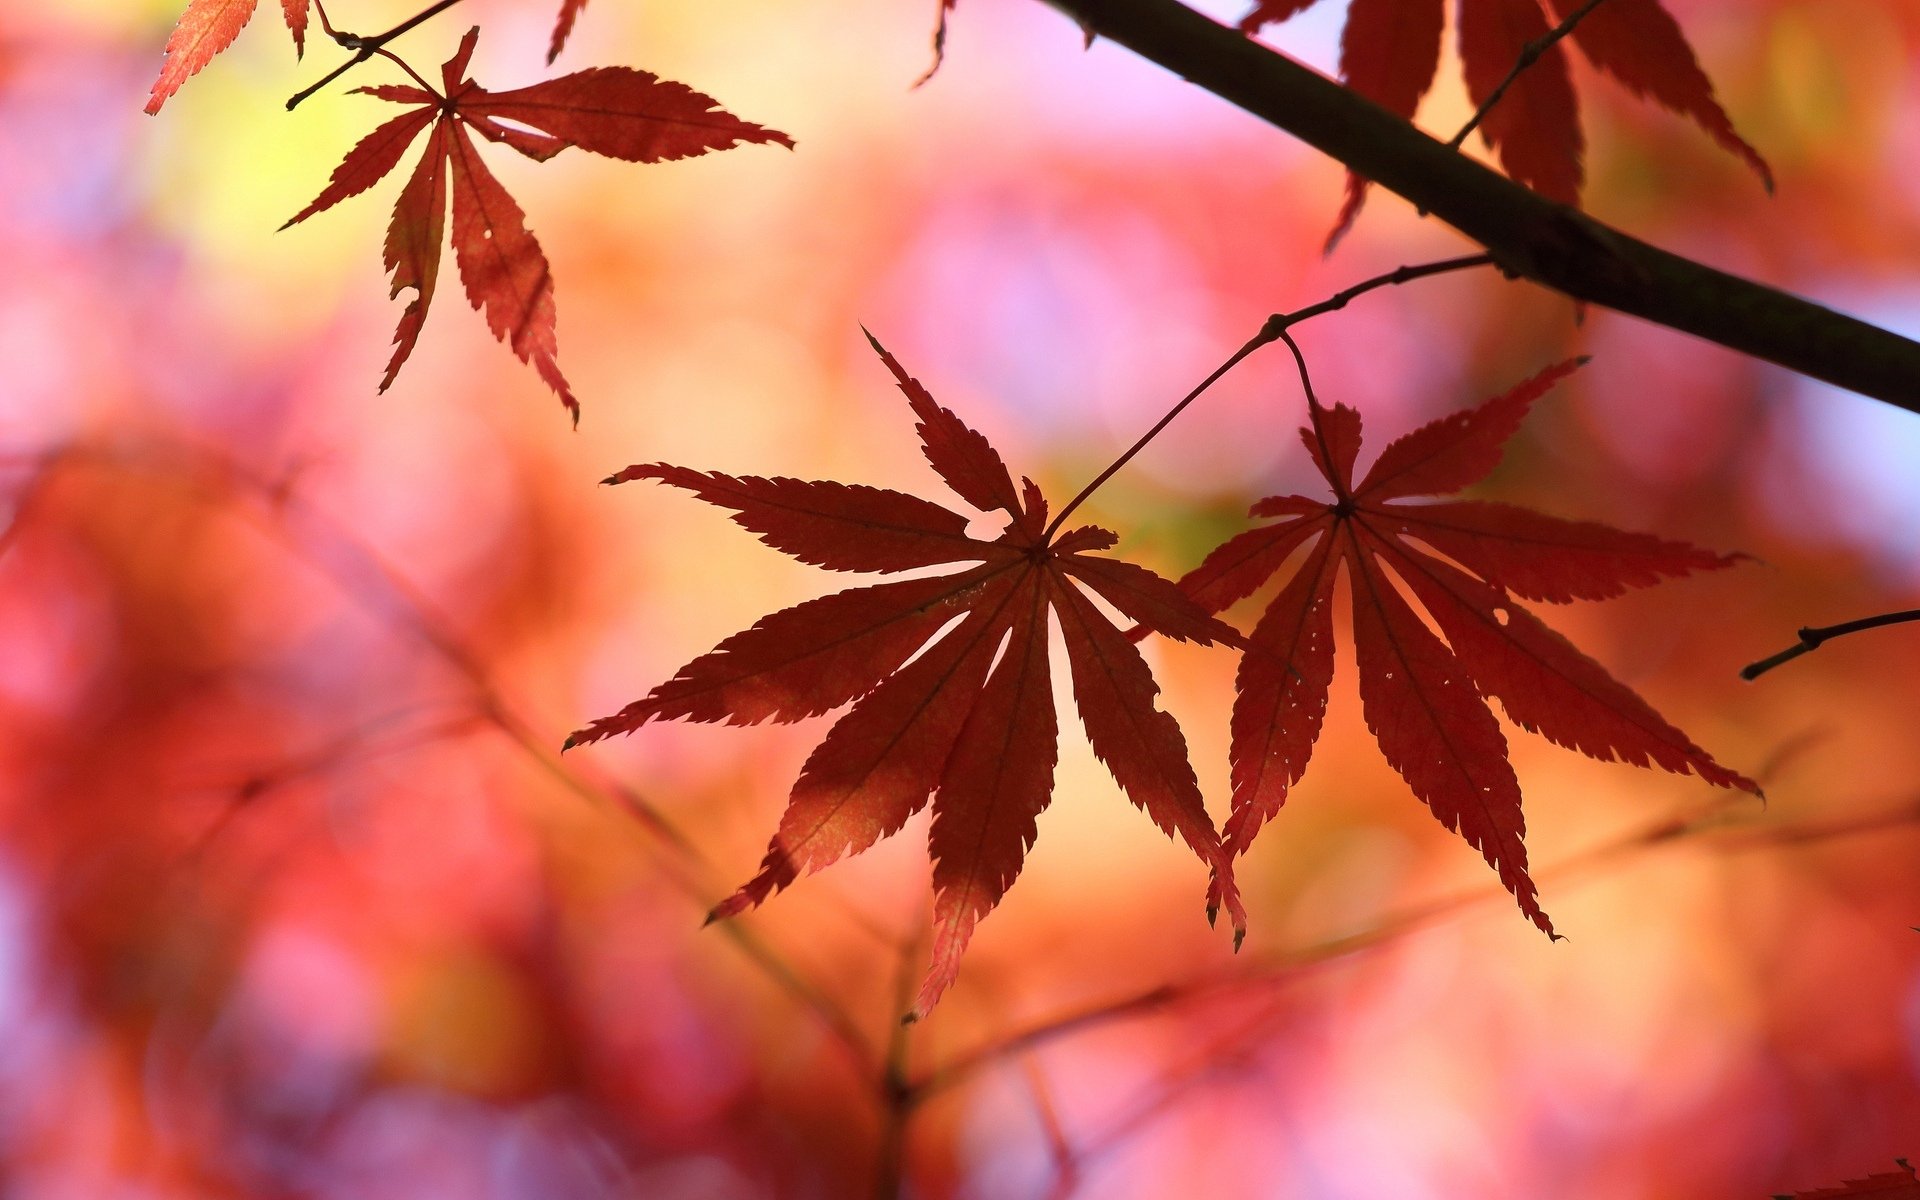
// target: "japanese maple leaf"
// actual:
[[1888, 1185], [563, 28], [1424, 698], [207, 28], [616, 111], [948, 676], [1390, 51]]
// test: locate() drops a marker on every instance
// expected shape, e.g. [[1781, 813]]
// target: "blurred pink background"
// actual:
[[298, 900]]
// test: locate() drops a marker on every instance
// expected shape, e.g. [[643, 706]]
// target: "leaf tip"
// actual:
[[573, 739]]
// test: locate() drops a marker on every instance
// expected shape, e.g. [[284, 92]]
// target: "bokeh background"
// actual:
[[297, 898]]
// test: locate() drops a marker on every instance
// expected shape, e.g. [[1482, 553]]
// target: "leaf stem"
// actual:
[[1258, 340], [1315, 414], [402, 64], [1529, 54], [365, 48], [1274, 330], [1811, 639]]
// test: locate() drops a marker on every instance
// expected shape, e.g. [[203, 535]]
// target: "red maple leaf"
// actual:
[[207, 28], [1888, 1185], [616, 111], [1390, 51], [563, 28], [968, 718], [1424, 698]]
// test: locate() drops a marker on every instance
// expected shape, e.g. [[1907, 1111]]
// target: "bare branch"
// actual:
[[1811, 639]]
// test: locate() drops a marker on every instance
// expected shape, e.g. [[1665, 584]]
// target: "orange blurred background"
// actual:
[[297, 898]]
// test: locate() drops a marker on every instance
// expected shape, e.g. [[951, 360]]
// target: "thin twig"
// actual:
[[402, 63], [1286, 965], [1275, 329], [1197, 1067], [1258, 340], [1811, 639], [896, 1098], [355, 745], [1066, 1168], [366, 579], [1529, 54], [365, 48]]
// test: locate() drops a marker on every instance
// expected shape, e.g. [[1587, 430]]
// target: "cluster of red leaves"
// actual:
[[209, 26], [615, 111], [1888, 1185], [949, 675], [1390, 51], [1424, 698], [968, 718]]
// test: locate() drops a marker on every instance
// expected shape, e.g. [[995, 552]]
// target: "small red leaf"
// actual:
[[1390, 49], [1237, 568], [878, 764], [997, 780], [1333, 442], [206, 28], [1423, 697], [622, 113], [295, 11], [1887, 1185], [840, 526], [1448, 454], [1282, 697], [453, 72], [505, 272], [1389, 53], [1639, 43], [1538, 557], [1266, 12], [805, 660], [960, 456], [1142, 745], [985, 742], [370, 161], [398, 93], [1436, 731], [1536, 127], [413, 244], [563, 27], [1546, 686], [1156, 603]]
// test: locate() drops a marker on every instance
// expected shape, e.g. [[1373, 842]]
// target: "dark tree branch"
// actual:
[[365, 48], [1811, 639], [1528, 235]]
